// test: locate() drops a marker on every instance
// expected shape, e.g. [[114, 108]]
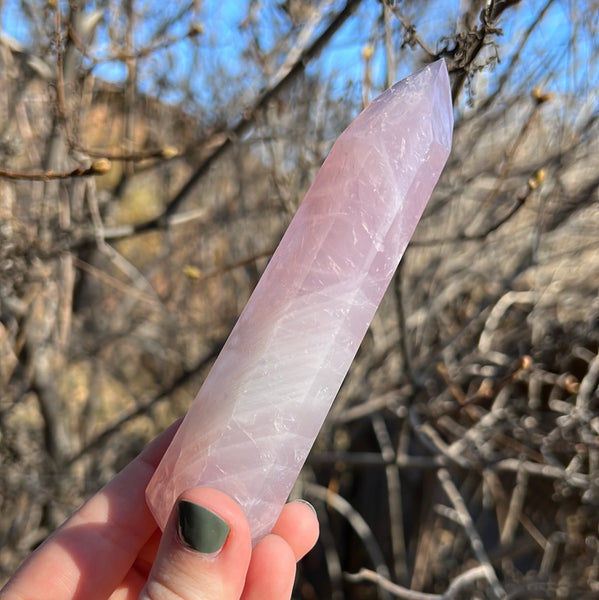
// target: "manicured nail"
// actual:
[[200, 528], [307, 504]]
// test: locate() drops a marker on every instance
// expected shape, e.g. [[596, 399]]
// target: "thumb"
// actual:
[[204, 552]]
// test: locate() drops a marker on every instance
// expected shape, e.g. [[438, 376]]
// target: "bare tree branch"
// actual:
[[247, 119], [98, 167]]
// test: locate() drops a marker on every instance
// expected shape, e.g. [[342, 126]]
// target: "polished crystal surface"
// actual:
[[253, 422]]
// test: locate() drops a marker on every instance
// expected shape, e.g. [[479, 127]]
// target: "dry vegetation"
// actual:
[[461, 458]]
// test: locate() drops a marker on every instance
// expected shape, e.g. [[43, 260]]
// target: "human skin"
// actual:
[[111, 548]]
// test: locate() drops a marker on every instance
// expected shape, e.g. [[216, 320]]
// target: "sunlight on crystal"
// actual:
[[268, 393]]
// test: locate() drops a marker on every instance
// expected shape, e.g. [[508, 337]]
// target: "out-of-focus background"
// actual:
[[152, 154]]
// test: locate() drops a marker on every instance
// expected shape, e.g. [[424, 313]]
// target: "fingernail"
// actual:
[[307, 504], [200, 528]]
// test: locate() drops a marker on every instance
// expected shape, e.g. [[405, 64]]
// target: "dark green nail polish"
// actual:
[[200, 528], [307, 504]]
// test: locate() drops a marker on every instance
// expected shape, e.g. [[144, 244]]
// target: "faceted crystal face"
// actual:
[[249, 430]]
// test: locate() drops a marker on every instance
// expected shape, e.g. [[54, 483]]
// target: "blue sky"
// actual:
[[211, 62]]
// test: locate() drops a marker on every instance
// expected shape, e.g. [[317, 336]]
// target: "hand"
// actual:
[[112, 549]]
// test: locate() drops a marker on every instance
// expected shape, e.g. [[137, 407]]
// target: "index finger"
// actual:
[[94, 549]]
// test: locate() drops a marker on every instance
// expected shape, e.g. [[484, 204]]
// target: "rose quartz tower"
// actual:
[[254, 420]]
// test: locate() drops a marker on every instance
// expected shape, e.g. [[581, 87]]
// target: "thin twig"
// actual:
[[506, 465], [470, 45], [588, 385], [125, 55], [477, 237], [144, 407], [98, 167], [357, 522], [457, 585], [515, 507], [384, 583], [248, 117], [411, 37], [118, 260], [114, 282], [395, 502], [431, 439], [389, 46], [58, 41], [401, 322], [466, 521], [509, 68], [576, 480], [327, 541]]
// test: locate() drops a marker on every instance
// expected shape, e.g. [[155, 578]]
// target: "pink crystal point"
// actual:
[[250, 428]]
